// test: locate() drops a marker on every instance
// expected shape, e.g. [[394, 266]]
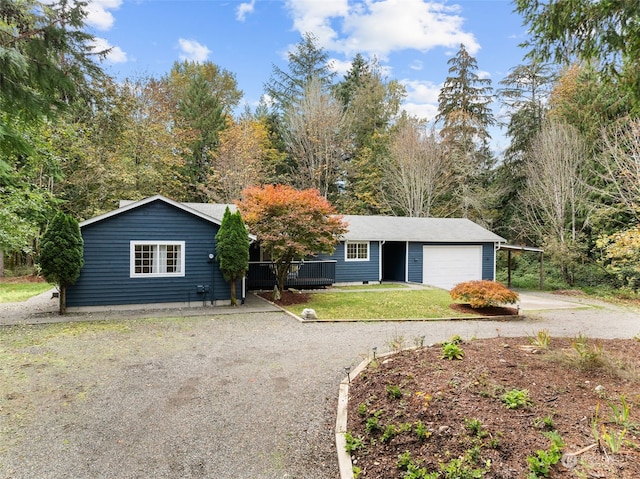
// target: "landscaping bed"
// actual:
[[418, 415]]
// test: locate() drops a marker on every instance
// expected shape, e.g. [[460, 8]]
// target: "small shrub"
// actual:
[[373, 423], [353, 443], [541, 339], [541, 463], [389, 433], [516, 398], [362, 409], [394, 392], [422, 432], [483, 294], [404, 460], [545, 423], [476, 428], [590, 356], [452, 351]]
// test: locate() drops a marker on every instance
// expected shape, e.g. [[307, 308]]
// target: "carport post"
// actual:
[[541, 270], [508, 268]]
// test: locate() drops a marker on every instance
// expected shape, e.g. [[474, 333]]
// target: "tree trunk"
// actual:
[[1, 263], [234, 301], [63, 299]]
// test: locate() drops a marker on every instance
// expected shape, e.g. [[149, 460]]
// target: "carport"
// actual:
[[509, 248]]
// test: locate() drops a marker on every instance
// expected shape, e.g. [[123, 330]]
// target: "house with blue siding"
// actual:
[[154, 251], [160, 252], [439, 252]]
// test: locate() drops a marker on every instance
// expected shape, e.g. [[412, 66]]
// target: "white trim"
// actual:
[[346, 249], [406, 262], [146, 201], [157, 244]]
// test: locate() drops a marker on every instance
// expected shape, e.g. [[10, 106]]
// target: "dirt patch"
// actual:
[[287, 298], [488, 311], [417, 413]]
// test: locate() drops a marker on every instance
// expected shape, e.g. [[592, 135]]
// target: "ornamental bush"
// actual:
[[482, 294]]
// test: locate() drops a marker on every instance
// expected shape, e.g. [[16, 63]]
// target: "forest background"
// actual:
[[75, 139]]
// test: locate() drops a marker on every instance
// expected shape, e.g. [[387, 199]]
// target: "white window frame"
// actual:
[[157, 247], [358, 245]]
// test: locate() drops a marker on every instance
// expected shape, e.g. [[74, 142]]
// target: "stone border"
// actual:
[[344, 458]]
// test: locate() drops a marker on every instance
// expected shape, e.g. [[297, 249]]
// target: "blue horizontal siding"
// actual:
[[105, 280], [356, 271], [488, 261]]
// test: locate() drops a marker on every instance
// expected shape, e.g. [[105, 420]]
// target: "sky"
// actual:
[[412, 39]]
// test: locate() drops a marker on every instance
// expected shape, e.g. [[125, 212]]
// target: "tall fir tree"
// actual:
[[307, 61], [464, 110]]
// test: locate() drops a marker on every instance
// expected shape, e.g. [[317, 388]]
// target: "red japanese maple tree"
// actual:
[[290, 224]]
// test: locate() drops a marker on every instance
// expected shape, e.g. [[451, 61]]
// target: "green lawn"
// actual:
[[372, 286], [406, 304], [13, 292]]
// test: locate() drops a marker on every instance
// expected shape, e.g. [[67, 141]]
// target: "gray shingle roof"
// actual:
[[402, 228], [380, 228]]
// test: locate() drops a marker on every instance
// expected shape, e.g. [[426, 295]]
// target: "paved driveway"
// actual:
[[244, 395]]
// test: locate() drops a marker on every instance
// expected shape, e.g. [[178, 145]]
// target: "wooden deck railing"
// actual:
[[302, 274]]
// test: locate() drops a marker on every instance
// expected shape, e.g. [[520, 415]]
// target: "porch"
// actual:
[[302, 274]]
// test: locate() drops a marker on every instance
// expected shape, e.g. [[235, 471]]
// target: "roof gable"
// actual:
[[131, 205]]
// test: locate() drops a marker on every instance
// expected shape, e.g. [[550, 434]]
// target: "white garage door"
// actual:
[[446, 266]]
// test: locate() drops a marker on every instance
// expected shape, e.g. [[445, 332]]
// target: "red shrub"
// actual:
[[482, 294]]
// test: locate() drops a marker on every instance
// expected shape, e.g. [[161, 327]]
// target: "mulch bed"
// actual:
[[287, 298], [582, 402], [490, 311]]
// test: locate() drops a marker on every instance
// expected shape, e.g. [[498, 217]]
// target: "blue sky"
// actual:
[[413, 39]]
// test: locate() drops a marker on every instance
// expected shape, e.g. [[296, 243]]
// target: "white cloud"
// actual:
[[244, 9], [341, 67], [115, 55], [422, 98], [382, 27], [98, 14], [193, 50], [315, 16], [417, 65]]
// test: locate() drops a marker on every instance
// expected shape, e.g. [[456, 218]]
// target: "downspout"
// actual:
[[406, 262], [380, 262], [496, 247]]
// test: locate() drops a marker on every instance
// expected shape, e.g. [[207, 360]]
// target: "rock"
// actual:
[[308, 313]]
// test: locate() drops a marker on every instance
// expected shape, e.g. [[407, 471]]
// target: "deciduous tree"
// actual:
[[555, 197], [290, 224], [417, 174], [316, 135], [61, 254]]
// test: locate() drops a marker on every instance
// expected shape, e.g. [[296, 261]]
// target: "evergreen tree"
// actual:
[[465, 113], [46, 62], [232, 250], [306, 61], [61, 254], [372, 103]]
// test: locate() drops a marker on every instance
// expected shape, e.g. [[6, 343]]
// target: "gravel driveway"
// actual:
[[242, 395]]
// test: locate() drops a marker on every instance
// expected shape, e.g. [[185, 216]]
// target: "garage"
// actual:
[[446, 266]]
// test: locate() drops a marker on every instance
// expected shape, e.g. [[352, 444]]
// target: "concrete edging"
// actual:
[[344, 458]]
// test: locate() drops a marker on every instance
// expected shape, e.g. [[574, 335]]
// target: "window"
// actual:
[[357, 251], [157, 258]]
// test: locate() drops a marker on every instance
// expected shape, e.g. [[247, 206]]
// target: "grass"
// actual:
[[371, 286], [405, 304], [15, 292]]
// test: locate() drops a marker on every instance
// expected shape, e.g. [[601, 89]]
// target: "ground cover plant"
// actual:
[[507, 408]]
